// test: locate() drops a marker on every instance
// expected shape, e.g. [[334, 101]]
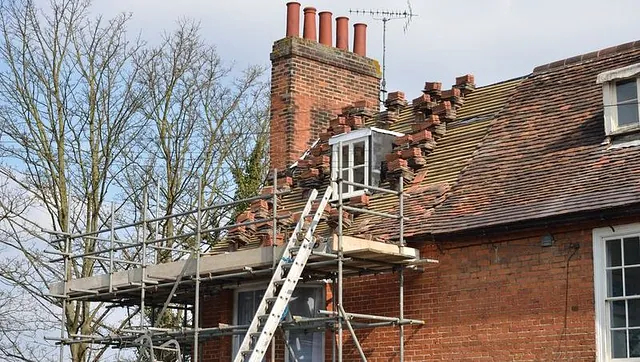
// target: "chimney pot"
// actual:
[[360, 39], [342, 32], [309, 31], [325, 28], [293, 19]]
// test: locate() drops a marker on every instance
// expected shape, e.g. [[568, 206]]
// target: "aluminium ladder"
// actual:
[[274, 304]]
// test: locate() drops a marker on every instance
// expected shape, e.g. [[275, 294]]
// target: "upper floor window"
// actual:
[[356, 157], [620, 89], [616, 260]]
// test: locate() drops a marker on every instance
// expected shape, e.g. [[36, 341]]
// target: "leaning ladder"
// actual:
[[273, 307]]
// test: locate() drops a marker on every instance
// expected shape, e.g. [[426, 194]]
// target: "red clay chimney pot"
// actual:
[[360, 39], [342, 32], [325, 28], [293, 19], [309, 31]]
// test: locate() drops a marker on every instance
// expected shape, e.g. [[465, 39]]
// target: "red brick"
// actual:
[[465, 79], [355, 122], [450, 93], [403, 140], [267, 190], [392, 156], [441, 108], [324, 136], [421, 136], [259, 205], [363, 104], [320, 149], [424, 98], [309, 173], [321, 160], [432, 121], [360, 200], [411, 152], [305, 163], [431, 86], [340, 129], [396, 164], [245, 216], [340, 120], [397, 95], [285, 181], [267, 239]]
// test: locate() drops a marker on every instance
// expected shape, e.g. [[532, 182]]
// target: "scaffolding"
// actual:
[[130, 277]]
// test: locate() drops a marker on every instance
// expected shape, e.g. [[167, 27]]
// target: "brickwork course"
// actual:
[[491, 170]]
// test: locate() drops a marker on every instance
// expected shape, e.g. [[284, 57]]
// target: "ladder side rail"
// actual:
[[277, 276], [289, 285]]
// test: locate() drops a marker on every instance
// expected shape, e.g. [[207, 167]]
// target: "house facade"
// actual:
[[526, 191]]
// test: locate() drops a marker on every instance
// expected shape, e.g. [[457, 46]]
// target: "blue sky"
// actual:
[[493, 39]]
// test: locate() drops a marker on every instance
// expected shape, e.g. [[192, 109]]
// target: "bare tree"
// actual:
[[206, 138], [68, 110], [86, 113], [207, 126]]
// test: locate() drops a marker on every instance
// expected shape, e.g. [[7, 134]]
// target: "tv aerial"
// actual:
[[385, 16]]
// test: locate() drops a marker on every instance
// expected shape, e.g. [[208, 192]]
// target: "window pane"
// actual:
[[619, 344], [627, 99], [634, 343], [634, 312], [358, 153], [626, 91], [358, 175], [345, 157], [627, 114], [345, 176], [614, 253], [614, 283], [245, 307], [632, 251], [302, 345], [632, 281], [618, 314], [306, 303]]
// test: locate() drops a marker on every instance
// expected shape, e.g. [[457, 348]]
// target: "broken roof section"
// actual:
[[445, 146], [547, 154]]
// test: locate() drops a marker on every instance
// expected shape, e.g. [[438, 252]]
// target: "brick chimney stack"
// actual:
[[312, 80]]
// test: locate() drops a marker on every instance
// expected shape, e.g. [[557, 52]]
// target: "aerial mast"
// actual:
[[385, 16]]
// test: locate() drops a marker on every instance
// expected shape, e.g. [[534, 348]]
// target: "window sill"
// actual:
[[627, 137], [624, 131], [347, 196]]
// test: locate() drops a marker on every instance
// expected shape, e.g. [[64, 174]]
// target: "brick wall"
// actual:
[[216, 309], [310, 83], [499, 299]]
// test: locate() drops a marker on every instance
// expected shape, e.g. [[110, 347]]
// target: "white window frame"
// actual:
[[608, 80], [600, 236], [349, 139], [262, 286]]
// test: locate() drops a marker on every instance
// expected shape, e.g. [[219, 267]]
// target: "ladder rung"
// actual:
[[289, 272], [280, 282], [255, 334]]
